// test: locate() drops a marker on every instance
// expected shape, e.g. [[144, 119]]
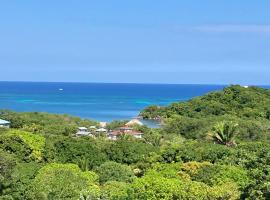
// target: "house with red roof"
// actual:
[[125, 130]]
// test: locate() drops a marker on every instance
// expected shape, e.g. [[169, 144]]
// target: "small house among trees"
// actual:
[[4, 123], [83, 131], [125, 130]]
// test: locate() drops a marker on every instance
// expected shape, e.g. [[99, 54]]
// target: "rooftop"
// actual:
[[124, 128], [4, 121], [101, 130], [128, 133]]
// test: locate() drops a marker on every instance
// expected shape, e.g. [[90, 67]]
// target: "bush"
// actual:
[[128, 152], [84, 152], [114, 190], [34, 141], [63, 181], [153, 186], [112, 171], [219, 174]]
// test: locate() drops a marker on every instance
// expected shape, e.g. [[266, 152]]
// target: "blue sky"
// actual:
[[144, 41]]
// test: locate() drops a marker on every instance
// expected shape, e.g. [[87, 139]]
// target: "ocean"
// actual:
[[97, 101]]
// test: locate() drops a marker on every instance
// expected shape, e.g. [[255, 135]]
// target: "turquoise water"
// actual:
[[98, 101]]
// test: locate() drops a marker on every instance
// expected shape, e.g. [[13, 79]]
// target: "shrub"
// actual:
[[112, 171]]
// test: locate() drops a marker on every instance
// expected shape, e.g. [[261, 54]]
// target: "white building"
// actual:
[[4, 123], [83, 131], [101, 130], [137, 135]]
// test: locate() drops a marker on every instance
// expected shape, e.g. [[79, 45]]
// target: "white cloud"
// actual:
[[227, 28]]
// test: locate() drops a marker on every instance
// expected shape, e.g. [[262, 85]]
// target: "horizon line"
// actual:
[[137, 83]]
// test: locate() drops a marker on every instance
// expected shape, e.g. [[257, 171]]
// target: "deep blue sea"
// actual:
[[98, 101]]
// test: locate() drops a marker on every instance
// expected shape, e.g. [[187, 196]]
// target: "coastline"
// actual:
[[102, 102]]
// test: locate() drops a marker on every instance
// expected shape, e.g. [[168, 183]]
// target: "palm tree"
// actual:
[[224, 133], [83, 163]]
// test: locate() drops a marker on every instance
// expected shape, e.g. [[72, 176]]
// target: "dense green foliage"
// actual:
[[116, 124], [252, 102], [112, 171], [248, 107], [45, 123], [211, 147], [63, 181]]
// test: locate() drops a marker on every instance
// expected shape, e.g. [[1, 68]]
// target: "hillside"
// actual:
[[248, 107], [252, 102], [211, 147]]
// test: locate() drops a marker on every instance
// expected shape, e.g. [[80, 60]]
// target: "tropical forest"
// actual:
[[212, 147]]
